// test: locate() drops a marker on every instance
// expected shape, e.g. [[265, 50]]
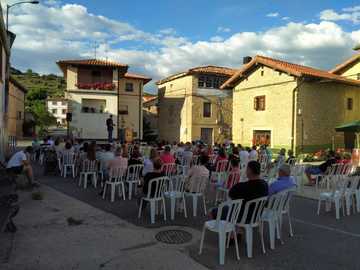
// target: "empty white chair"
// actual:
[[116, 180], [88, 169], [133, 177], [197, 191], [155, 195], [68, 162], [272, 214], [336, 196], [285, 210], [350, 194], [224, 227], [251, 218], [176, 192]]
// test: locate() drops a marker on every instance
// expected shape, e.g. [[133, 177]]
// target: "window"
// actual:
[[54, 111], [208, 82], [201, 81], [216, 82], [54, 103], [349, 104], [63, 103], [19, 116], [64, 111], [358, 76], [96, 76], [207, 109], [262, 73], [123, 110], [129, 87], [259, 103]]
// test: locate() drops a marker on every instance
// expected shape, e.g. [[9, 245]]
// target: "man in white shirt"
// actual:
[[253, 154], [244, 156], [19, 163]]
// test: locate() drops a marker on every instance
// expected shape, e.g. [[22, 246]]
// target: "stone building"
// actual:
[[192, 106], [16, 109], [292, 106]]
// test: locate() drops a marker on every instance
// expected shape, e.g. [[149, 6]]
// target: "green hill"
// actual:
[[42, 86]]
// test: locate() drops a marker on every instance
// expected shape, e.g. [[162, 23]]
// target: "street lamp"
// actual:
[[15, 4]]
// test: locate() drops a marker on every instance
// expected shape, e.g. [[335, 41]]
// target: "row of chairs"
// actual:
[[249, 216], [344, 193]]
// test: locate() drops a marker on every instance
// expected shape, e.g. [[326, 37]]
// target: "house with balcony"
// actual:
[[96, 89], [58, 107], [191, 105]]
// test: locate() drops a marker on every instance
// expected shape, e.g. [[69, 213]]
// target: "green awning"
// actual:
[[349, 127]]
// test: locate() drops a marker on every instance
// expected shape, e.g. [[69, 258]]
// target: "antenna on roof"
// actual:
[[106, 52], [95, 48]]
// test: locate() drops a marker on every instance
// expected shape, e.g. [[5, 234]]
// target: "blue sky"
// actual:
[[158, 38]]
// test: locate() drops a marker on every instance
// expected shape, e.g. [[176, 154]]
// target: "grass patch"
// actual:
[[74, 222], [37, 196]]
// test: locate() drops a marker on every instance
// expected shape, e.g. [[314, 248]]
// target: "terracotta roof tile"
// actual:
[[224, 71], [137, 76], [345, 64], [293, 69], [92, 62]]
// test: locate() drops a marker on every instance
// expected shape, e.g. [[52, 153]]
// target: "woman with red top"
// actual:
[[221, 156], [167, 157], [234, 174]]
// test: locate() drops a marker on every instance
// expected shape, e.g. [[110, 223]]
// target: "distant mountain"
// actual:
[[49, 84]]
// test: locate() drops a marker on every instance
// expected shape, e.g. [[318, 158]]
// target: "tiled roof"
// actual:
[[345, 64], [224, 71], [92, 62], [293, 69], [137, 76]]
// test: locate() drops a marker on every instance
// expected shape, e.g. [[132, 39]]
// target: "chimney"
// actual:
[[247, 59]]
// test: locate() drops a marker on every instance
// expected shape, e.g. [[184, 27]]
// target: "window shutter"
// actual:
[[255, 102], [263, 103]]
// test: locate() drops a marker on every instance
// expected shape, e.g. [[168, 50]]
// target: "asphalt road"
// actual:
[[320, 242]]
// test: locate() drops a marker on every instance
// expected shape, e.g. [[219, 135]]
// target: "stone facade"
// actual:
[[299, 113], [16, 110], [181, 106]]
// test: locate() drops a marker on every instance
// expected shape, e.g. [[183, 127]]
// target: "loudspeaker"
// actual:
[[69, 116]]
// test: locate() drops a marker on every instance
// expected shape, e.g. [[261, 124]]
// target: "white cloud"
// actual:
[[273, 15], [349, 14], [222, 29], [216, 39], [168, 31], [46, 34], [285, 18]]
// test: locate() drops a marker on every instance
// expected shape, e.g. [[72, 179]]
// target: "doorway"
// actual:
[[261, 137]]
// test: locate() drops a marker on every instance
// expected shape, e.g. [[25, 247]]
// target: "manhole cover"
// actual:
[[173, 237]]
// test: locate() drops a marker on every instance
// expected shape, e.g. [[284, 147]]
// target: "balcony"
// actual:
[[96, 86], [97, 106]]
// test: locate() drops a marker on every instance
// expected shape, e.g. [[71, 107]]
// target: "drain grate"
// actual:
[[173, 237]]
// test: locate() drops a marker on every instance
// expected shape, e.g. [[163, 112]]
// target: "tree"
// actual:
[[43, 119]]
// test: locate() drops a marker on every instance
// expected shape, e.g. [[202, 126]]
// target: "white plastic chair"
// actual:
[[169, 169], [285, 206], [68, 162], [197, 190], [336, 196], [222, 191], [155, 194], [88, 169], [272, 214], [221, 167], [175, 193], [195, 160], [251, 220], [224, 227], [350, 194], [116, 179], [133, 177]]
